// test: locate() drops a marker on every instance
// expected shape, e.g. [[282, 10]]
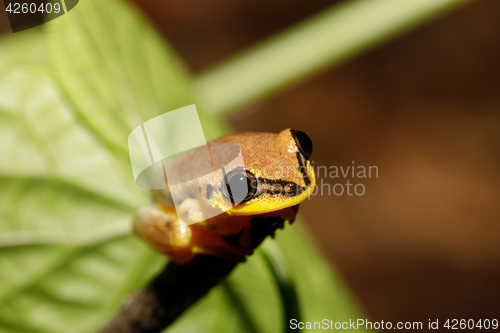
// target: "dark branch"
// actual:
[[177, 287]]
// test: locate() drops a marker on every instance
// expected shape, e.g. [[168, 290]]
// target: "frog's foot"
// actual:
[[160, 227]]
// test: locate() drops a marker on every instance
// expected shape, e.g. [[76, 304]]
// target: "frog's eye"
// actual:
[[240, 185], [304, 143]]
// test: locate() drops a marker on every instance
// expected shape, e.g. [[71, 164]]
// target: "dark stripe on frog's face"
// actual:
[[303, 169], [276, 187]]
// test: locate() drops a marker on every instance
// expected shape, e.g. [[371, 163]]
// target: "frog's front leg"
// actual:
[[160, 227]]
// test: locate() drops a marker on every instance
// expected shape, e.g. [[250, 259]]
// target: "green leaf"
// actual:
[[278, 266], [22, 50], [322, 41], [59, 185], [70, 289], [115, 70], [58, 182], [62, 184], [322, 294]]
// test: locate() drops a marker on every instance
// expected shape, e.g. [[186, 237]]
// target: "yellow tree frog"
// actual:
[[277, 175]]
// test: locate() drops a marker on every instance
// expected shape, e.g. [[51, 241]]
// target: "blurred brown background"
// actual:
[[424, 241]]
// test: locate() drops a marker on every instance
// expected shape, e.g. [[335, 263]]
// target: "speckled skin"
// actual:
[[285, 178]]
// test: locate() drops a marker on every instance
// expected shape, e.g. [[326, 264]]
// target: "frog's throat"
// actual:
[[263, 206]]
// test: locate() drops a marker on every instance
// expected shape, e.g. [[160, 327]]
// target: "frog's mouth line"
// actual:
[[288, 188], [253, 207], [275, 187], [279, 190]]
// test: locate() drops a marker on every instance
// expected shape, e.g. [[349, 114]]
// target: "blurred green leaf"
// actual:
[[115, 70], [322, 41], [58, 183], [279, 269], [322, 294], [22, 50], [69, 289]]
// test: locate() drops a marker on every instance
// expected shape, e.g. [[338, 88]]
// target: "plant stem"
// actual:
[[324, 40]]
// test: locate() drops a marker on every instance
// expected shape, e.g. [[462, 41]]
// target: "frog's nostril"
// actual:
[[304, 143]]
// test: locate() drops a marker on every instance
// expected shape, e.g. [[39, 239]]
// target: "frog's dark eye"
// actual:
[[240, 185], [304, 143]]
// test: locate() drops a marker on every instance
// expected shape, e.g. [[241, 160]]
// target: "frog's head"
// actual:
[[277, 172]]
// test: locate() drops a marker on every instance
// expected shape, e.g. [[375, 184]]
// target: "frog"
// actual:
[[275, 177]]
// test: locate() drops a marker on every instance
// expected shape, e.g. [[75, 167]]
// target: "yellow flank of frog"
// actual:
[[276, 177]]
